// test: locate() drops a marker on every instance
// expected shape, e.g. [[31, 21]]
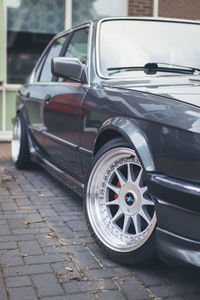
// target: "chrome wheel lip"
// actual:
[[16, 140], [95, 198]]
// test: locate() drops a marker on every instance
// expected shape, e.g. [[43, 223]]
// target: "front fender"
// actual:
[[131, 131]]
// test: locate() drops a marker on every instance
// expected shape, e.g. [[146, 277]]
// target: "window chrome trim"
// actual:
[[97, 44], [90, 25]]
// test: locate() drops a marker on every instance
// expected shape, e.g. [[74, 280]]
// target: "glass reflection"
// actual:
[[31, 24], [142, 42]]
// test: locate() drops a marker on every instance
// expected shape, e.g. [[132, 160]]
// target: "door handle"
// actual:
[[47, 98]]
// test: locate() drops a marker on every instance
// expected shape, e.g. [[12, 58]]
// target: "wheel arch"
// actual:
[[21, 109], [130, 130]]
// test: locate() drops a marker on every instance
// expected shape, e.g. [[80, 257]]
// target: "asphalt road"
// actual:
[[46, 251]]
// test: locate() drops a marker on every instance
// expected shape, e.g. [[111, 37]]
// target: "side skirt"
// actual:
[[65, 178]]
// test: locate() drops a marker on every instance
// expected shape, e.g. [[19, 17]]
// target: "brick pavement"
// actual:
[[47, 253]]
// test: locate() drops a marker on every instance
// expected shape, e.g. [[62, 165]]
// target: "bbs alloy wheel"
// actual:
[[119, 209]]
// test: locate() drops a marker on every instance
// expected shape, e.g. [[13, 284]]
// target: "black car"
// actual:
[[112, 110]]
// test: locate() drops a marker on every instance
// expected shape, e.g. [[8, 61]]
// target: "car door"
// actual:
[[35, 92], [62, 111]]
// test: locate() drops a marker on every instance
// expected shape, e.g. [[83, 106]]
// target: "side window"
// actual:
[[38, 70], [54, 51], [78, 46]]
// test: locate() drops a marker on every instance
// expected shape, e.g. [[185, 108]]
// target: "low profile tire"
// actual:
[[19, 145], [119, 211]]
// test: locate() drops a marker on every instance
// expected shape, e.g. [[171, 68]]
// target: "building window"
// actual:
[[94, 9], [30, 26]]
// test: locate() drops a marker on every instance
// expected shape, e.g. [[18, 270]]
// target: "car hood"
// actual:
[[182, 88]]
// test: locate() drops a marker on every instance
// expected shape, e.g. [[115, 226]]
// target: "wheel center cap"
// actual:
[[130, 199]]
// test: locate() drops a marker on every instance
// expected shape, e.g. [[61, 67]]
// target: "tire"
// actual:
[[119, 212], [19, 145]]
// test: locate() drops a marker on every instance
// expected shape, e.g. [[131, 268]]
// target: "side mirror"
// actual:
[[70, 68]]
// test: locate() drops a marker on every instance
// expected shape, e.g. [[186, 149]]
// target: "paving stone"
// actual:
[[132, 289], [64, 297], [30, 247], [115, 295], [50, 258], [149, 277], [77, 226], [65, 249], [8, 245], [10, 258], [175, 289], [17, 238], [65, 271], [85, 296], [20, 293], [3, 293], [47, 285], [74, 287], [18, 281], [4, 230], [47, 212], [85, 260], [26, 270], [30, 230]]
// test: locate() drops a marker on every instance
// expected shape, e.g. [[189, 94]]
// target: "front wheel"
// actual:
[[119, 211]]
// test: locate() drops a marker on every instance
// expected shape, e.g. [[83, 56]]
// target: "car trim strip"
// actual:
[[178, 184], [85, 151], [60, 140]]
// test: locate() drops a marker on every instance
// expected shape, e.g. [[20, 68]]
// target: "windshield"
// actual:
[[134, 43]]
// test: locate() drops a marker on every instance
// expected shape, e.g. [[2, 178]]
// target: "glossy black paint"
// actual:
[[160, 116]]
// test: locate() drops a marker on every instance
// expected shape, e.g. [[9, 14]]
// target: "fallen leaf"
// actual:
[[27, 223], [69, 269], [23, 254], [76, 278], [58, 273], [76, 243], [51, 235], [1, 254]]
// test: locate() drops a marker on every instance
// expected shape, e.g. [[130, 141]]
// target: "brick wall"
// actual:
[[140, 8], [186, 9]]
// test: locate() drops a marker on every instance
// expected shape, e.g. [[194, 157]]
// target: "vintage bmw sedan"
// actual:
[[112, 109]]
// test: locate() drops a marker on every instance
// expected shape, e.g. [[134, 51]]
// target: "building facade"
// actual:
[[26, 26]]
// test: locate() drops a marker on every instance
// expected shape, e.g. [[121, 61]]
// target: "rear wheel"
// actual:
[[119, 211], [19, 145]]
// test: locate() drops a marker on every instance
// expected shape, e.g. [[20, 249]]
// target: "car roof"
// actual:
[[157, 19]]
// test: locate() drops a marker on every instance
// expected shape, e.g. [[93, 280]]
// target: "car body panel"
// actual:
[[68, 122]]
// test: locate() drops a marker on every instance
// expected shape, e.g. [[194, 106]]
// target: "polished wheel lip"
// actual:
[[103, 222], [16, 140]]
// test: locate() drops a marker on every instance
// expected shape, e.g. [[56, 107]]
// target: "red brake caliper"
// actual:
[[118, 185]]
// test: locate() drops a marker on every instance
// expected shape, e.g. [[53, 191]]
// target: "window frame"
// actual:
[[68, 33]]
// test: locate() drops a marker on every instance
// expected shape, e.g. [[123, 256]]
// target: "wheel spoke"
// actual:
[[113, 188], [144, 189], [130, 174], [127, 222], [117, 216], [137, 224], [147, 202], [120, 177], [138, 179], [113, 202], [144, 214]]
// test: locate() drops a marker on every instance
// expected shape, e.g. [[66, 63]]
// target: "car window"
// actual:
[[54, 51], [78, 46], [38, 70]]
